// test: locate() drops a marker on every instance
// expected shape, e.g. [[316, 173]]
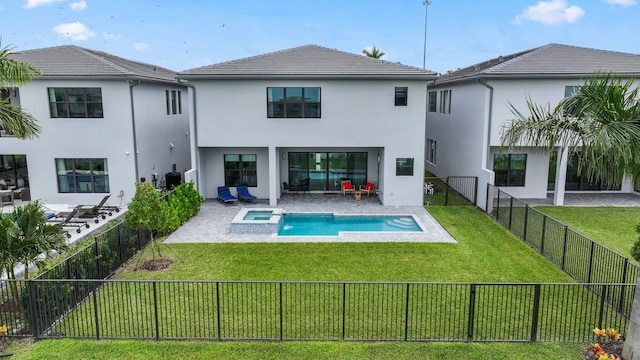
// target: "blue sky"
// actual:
[[184, 34]]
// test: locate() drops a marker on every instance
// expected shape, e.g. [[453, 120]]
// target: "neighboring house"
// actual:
[[310, 113], [106, 123], [468, 107]]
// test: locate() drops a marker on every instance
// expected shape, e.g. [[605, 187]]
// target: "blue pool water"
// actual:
[[258, 215], [331, 225]]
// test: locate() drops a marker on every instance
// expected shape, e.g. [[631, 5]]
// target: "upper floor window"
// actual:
[[433, 101], [82, 175], [404, 166], [445, 101], [293, 102], [401, 95], [431, 151], [240, 169], [509, 169], [75, 102], [174, 102]]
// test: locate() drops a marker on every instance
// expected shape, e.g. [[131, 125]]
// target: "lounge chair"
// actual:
[[303, 185], [224, 195], [96, 211], [69, 219], [346, 187], [243, 193], [369, 188]]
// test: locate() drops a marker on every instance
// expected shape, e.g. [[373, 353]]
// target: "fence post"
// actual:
[[120, 243], [526, 221], [218, 307], [475, 190], [96, 250], [544, 230], [446, 193], [33, 308], [624, 281], [593, 244], [406, 314], [602, 304], [498, 206], [536, 311], [564, 246], [344, 307], [155, 310], [95, 313], [281, 311], [68, 265], [472, 306], [486, 202], [510, 211]]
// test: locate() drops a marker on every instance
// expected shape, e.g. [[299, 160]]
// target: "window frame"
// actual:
[[401, 96], [286, 104], [404, 166], [74, 186], [509, 171], [243, 171], [445, 101], [53, 95], [432, 101], [174, 102], [431, 151]]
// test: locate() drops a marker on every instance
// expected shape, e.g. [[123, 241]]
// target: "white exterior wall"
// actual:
[[354, 114], [156, 132], [109, 137]]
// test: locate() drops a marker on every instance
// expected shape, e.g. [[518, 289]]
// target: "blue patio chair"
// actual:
[[224, 195], [243, 193]]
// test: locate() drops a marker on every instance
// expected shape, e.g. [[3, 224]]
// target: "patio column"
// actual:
[[561, 176], [273, 176]]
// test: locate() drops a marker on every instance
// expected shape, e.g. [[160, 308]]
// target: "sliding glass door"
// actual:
[[327, 169]]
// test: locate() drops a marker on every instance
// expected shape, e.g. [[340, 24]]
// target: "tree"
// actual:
[[14, 73], [601, 123], [373, 53], [147, 211]]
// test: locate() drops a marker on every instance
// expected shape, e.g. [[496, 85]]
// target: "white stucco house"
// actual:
[[107, 122], [309, 113], [468, 107]]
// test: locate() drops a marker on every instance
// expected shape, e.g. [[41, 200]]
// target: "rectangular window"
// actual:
[[445, 101], [571, 90], [509, 169], [240, 169], [433, 101], [174, 102], [404, 166], [401, 95], [82, 175], [431, 151], [293, 102], [75, 102]]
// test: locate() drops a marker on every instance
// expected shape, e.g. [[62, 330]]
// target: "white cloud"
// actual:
[[140, 46], [111, 36], [35, 3], [623, 3], [552, 12], [78, 6], [75, 31]]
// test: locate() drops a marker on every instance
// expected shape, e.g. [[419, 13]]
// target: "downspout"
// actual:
[[193, 129], [133, 83], [487, 134]]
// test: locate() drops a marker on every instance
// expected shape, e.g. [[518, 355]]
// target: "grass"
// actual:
[[613, 227], [481, 242], [130, 349]]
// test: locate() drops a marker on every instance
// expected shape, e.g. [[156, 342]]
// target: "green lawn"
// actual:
[[130, 349], [613, 227], [485, 252]]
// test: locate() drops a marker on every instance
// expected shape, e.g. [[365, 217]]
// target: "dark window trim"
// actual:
[[68, 111], [75, 175], [509, 171], [433, 107], [401, 96], [406, 169], [301, 102], [240, 170]]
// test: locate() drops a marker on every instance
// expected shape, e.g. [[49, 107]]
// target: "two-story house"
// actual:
[[309, 113], [467, 109], [107, 123]]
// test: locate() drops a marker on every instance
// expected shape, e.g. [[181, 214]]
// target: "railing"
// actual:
[[579, 256], [452, 190], [232, 310]]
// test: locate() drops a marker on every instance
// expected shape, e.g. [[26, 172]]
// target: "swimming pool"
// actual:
[[258, 215], [332, 225]]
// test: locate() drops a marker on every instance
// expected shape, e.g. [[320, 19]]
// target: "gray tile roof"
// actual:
[[550, 61], [70, 61], [308, 61]]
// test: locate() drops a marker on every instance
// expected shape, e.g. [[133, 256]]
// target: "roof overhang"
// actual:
[[413, 77]]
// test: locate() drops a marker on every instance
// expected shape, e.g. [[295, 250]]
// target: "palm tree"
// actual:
[[373, 53], [14, 73], [600, 124]]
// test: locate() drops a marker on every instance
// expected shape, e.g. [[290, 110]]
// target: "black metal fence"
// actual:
[[231, 310], [579, 256], [452, 190]]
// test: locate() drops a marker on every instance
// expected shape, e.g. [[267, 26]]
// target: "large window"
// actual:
[[575, 180], [82, 175], [401, 95], [326, 169], [75, 102], [13, 169], [445, 101], [404, 167], [433, 101], [431, 151], [509, 169], [293, 102], [240, 169], [174, 102]]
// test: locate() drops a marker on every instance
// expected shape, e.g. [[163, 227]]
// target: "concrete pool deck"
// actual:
[[213, 223]]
